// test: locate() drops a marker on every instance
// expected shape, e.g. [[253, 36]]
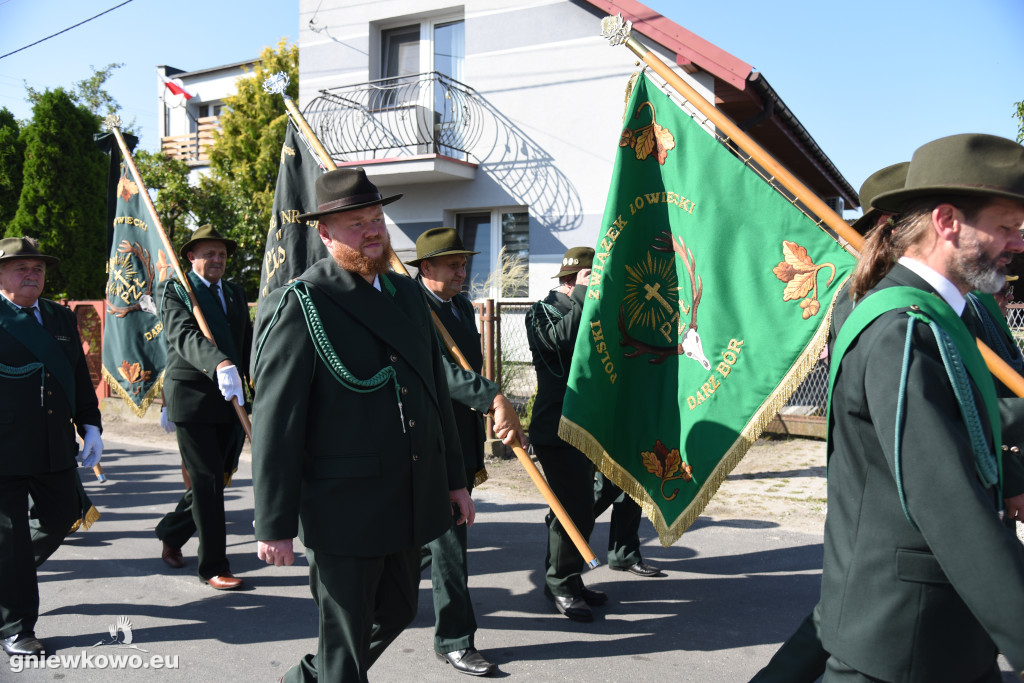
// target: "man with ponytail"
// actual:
[[921, 581]]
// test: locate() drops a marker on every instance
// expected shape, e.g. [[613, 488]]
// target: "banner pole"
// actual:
[[618, 31], [113, 124], [275, 84]]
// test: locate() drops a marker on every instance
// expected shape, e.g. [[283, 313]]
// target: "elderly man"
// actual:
[[45, 395], [441, 259], [354, 443], [200, 380], [921, 580]]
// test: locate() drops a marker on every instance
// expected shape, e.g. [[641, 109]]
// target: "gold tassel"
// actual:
[[480, 477], [151, 395]]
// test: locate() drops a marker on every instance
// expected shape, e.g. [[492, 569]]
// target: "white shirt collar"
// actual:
[[376, 282], [946, 289], [35, 304], [434, 294]]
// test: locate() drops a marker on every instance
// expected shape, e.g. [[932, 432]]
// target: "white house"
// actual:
[[501, 118]]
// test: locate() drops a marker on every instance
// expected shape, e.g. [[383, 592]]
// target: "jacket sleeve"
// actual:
[[558, 335], [183, 334], [87, 407]]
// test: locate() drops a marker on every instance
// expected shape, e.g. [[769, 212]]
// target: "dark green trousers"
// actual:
[[624, 528], [801, 659], [54, 498], [208, 451], [571, 477], [454, 621], [364, 604]]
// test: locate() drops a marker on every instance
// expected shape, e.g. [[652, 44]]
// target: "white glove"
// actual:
[[164, 422], [230, 384], [92, 448]]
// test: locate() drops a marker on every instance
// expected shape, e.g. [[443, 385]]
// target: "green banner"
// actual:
[[708, 304], [292, 245], [134, 353]]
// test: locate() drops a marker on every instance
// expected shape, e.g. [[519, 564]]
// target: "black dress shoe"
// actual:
[[467, 661], [574, 608], [640, 569], [24, 643], [593, 598]]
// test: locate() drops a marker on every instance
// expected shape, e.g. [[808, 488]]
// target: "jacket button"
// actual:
[[394, 358], [405, 390], [412, 423], [49, 393], [49, 412], [415, 458]]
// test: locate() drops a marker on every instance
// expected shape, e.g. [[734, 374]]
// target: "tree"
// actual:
[[12, 158], [1019, 115], [175, 199], [90, 93], [238, 195], [63, 194]]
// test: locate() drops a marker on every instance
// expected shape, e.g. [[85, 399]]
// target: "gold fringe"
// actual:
[[581, 439], [139, 410], [90, 518], [480, 477]]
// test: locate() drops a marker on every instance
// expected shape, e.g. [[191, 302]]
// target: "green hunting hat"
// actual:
[[24, 247], [575, 260], [886, 180], [345, 189], [971, 164], [206, 232], [438, 242]]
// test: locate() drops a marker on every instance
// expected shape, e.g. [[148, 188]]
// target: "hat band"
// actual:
[[348, 201]]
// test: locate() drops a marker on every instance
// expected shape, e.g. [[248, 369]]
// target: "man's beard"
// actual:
[[978, 271], [354, 261]]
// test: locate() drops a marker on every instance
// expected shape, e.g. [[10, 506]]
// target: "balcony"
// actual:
[[192, 148], [420, 128]]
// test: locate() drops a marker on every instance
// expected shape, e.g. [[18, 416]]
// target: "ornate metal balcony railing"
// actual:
[[426, 113]]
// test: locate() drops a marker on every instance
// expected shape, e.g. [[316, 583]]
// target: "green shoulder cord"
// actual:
[[985, 463], [326, 351], [552, 317], [22, 371]]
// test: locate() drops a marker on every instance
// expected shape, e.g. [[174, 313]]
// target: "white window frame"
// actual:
[[452, 218]]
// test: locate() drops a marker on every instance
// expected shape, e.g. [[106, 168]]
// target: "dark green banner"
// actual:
[[708, 304], [292, 245], [134, 353]]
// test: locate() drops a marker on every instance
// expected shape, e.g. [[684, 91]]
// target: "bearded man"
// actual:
[[355, 447]]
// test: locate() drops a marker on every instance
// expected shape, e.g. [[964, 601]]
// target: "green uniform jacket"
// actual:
[[190, 376], [38, 431], [330, 464], [472, 393], [896, 603], [552, 340]]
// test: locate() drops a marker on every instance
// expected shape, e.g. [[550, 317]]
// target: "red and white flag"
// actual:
[[177, 87]]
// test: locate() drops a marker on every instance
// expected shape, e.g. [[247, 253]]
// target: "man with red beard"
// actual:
[[355, 448]]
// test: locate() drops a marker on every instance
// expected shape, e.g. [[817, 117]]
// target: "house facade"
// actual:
[[501, 118]]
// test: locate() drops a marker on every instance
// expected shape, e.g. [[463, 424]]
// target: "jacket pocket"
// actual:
[[355, 465], [918, 566]]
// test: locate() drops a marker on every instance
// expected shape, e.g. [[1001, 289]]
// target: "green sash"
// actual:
[[41, 344]]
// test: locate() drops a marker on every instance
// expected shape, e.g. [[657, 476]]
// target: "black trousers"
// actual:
[[56, 504], [364, 604], [624, 528], [571, 477], [209, 451]]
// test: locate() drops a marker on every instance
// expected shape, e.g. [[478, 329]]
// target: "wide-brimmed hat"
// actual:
[[885, 180], [345, 189], [24, 247], [971, 164], [575, 260], [206, 232], [438, 242]]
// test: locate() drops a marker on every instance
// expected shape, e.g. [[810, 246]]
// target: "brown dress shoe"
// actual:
[[172, 557], [224, 582]]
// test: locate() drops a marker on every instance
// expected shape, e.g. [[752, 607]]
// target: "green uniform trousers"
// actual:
[[571, 477], [624, 528]]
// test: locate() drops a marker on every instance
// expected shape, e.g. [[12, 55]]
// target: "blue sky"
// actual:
[[871, 80]]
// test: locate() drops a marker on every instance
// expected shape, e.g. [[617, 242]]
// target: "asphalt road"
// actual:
[[733, 589]]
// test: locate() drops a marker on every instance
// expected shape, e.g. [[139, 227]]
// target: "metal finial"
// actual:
[[616, 29], [276, 83], [112, 121]]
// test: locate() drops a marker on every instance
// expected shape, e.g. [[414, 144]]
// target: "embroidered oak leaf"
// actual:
[[133, 372], [800, 274], [666, 464], [126, 188], [650, 139]]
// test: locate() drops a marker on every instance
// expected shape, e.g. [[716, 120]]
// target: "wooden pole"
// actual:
[[113, 124], [618, 32], [275, 84]]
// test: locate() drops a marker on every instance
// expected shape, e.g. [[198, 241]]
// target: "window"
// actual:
[[490, 232], [211, 109]]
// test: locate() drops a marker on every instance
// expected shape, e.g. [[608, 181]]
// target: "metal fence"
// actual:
[[513, 367]]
